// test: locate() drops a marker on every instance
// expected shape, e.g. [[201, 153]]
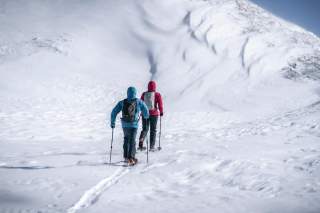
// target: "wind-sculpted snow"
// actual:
[[241, 127], [221, 55], [221, 52]]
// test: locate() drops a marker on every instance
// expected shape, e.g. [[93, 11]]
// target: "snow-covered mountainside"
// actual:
[[241, 94]]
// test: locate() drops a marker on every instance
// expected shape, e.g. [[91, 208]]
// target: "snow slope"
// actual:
[[241, 92], [229, 56]]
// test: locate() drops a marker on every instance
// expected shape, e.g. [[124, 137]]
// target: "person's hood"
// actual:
[[152, 86], [131, 93]]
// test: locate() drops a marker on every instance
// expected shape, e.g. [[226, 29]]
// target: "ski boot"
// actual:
[[152, 149], [132, 161], [141, 147]]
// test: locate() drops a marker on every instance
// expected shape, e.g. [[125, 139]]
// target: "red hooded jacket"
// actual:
[[158, 106]]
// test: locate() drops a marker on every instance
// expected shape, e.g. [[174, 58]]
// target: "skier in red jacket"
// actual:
[[153, 101]]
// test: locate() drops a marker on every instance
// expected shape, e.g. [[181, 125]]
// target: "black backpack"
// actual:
[[129, 110]]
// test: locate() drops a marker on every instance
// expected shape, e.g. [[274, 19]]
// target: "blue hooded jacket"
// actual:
[[141, 107]]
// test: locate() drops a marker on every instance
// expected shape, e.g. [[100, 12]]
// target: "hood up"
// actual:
[[131, 93], [152, 86]]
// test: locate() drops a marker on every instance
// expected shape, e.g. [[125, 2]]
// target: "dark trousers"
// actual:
[[129, 145], [151, 123]]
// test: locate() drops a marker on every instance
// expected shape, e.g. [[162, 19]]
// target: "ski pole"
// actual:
[[111, 146], [148, 147], [128, 147], [159, 148]]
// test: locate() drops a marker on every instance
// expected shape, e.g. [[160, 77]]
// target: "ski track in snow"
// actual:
[[91, 196], [207, 164], [218, 171]]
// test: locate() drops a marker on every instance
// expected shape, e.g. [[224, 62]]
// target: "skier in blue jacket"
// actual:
[[131, 108]]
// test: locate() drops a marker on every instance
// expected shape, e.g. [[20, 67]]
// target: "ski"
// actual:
[[142, 149], [151, 150], [124, 163], [155, 149]]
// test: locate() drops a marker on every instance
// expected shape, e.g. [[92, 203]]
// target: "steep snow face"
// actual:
[[229, 56]]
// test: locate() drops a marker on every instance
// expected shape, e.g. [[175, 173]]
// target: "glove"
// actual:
[[112, 126], [161, 114]]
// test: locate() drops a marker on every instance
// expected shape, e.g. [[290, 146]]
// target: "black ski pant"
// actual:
[[151, 123], [129, 145]]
